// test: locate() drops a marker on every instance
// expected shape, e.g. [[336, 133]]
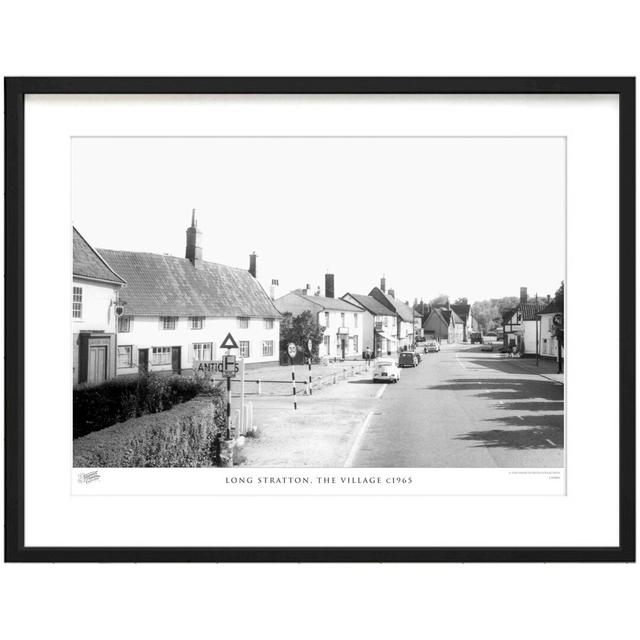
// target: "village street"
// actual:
[[460, 407]]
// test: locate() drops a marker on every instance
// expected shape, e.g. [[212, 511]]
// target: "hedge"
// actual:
[[99, 406], [185, 436]]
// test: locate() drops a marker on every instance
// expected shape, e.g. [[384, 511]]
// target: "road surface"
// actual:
[[463, 407]]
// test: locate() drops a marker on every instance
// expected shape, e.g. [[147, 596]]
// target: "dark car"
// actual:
[[407, 359]]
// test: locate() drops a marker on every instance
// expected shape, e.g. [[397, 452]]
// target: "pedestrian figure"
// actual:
[[367, 356]]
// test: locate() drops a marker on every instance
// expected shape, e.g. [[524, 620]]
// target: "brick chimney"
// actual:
[[392, 293], [252, 264], [383, 284], [329, 285], [523, 295], [193, 252], [548, 298]]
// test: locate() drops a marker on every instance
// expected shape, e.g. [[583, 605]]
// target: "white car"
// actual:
[[386, 370], [431, 346]]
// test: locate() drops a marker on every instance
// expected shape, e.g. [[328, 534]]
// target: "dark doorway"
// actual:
[[342, 346], [143, 360], [176, 359]]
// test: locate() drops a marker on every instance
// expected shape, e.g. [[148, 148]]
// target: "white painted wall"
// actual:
[[97, 308], [354, 321], [146, 333], [548, 343]]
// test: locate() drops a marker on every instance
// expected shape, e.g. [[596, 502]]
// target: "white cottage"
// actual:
[[93, 314], [548, 339], [380, 324], [520, 325], [343, 322], [179, 310], [405, 315]]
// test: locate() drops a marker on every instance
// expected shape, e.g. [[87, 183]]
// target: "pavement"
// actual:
[[460, 407]]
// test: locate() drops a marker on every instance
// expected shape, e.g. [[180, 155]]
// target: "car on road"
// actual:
[[431, 346], [407, 359], [386, 371]]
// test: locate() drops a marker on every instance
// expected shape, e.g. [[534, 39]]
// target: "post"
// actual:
[[293, 383], [228, 434], [309, 387], [242, 425], [537, 342]]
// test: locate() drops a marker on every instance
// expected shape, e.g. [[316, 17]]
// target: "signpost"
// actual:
[[229, 370], [292, 350]]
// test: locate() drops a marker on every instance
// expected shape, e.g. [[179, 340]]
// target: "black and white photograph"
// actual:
[[318, 302]]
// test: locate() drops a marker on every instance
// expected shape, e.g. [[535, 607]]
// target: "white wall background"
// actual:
[[332, 38]]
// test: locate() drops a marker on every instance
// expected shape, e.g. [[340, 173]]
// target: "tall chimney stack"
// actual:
[[252, 264], [273, 289], [523, 295], [383, 284], [392, 293], [194, 243], [329, 285]]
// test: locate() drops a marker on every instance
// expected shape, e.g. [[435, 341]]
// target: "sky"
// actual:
[[468, 217]]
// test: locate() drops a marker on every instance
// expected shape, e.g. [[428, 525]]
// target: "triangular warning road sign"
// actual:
[[229, 342]]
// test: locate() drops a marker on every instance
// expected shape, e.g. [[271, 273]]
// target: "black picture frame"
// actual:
[[15, 91]]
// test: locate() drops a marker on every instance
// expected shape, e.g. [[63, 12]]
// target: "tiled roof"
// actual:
[[462, 310], [323, 303], [553, 307], [456, 318], [445, 313], [403, 310], [371, 304], [160, 285], [88, 264], [529, 311]]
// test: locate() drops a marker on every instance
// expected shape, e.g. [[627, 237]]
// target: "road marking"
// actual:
[[358, 440], [380, 391], [500, 401], [553, 444], [521, 418]]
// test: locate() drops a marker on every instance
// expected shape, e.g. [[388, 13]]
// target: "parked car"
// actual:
[[386, 371], [476, 338], [431, 346], [407, 359]]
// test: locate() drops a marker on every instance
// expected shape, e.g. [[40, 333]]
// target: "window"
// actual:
[[124, 324], [125, 357], [202, 351], [342, 319], [77, 302], [243, 323], [267, 347], [161, 355], [244, 348], [326, 319], [355, 320], [355, 344], [268, 323], [168, 322], [197, 322]]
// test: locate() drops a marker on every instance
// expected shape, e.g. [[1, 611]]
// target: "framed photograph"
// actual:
[[320, 319]]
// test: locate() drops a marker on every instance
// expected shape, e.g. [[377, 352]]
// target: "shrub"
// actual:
[[186, 436], [100, 406]]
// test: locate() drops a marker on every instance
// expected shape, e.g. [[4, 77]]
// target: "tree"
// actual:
[[488, 313], [440, 300], [559, 297], [299, 330]]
